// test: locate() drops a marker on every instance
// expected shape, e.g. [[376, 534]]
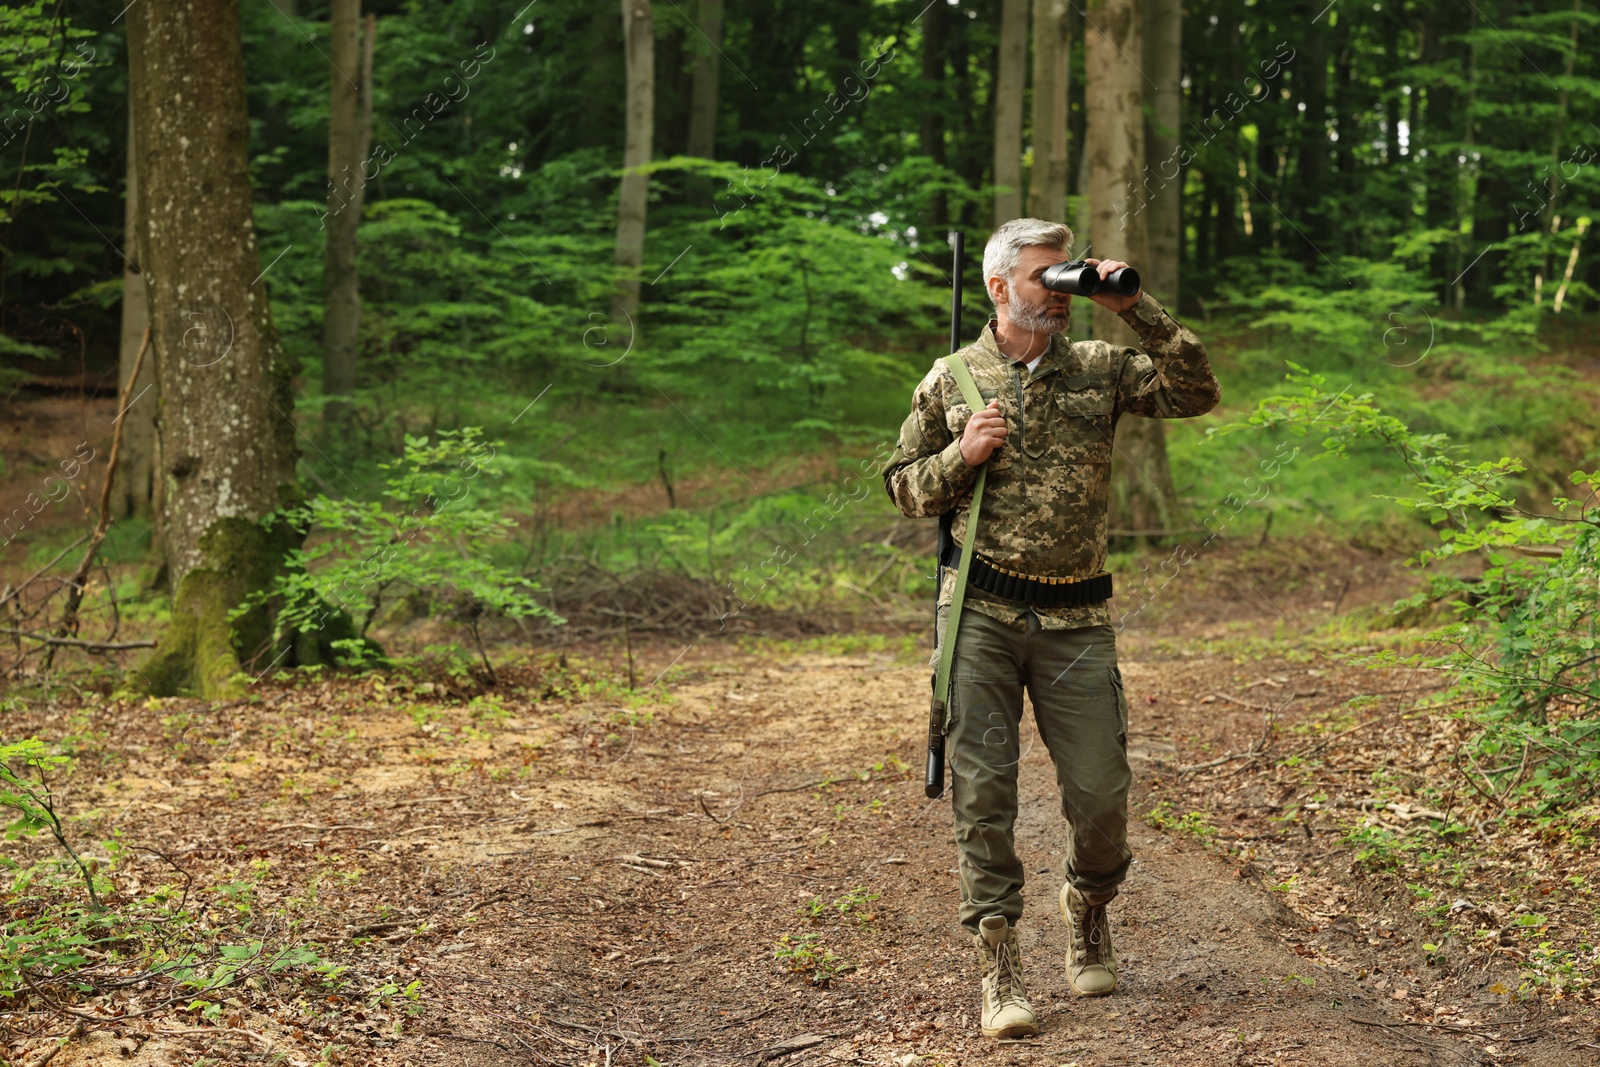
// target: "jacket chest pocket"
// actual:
[[1083, 425], [955, 420]]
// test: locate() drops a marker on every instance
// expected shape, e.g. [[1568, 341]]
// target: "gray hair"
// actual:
[[1004, 250]]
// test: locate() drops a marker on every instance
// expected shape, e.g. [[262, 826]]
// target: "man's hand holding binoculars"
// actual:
[[1108, 297], [1110, 283]]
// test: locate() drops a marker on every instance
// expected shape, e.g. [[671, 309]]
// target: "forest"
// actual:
[[450, 611]]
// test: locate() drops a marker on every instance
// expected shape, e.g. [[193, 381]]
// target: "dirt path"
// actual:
[[570, 881]]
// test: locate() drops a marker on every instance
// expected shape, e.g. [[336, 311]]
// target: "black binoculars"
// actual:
[[1083, 279]]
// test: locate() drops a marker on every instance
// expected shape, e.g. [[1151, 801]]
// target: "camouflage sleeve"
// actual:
[[926, 476], [1172, 378]]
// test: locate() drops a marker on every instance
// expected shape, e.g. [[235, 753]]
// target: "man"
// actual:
[[1046, 435]]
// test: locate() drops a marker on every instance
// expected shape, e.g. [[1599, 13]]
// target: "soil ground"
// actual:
[[576, 875]]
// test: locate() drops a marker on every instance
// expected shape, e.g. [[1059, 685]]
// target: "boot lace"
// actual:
[[1008, 974], [1089, 936]]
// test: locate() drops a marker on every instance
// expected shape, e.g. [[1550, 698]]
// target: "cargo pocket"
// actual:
[[1122, 706]]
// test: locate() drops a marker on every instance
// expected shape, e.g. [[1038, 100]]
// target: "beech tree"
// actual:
[[703, 94], [349, 135], [1052, 78], [1161, 188], [1142, 495], [1010, 80], [226, 442], [134, 488], [639, 38]]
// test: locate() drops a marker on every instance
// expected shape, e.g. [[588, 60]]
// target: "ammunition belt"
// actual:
[[1040, 591]]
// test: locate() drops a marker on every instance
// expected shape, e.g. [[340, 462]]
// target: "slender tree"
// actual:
[[1143, 497], [226, 442], [934, 104], [638, 35], [1052, 80], [1009, 83], [349, 134], [1160, 191], [707, 67], [134, 488]]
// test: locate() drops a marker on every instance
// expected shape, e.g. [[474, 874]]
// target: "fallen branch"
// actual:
[[1219, 761], [1458, 1027], [210, 1031], [1252, 705], [73, 642], [61, 1042]]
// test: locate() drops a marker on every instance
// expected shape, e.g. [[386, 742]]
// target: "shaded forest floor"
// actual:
[[735, 864]]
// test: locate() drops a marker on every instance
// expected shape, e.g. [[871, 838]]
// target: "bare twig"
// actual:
[[36, 575], [69, 617]]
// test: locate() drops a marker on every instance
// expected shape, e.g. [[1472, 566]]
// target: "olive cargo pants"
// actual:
[[1082, 716]]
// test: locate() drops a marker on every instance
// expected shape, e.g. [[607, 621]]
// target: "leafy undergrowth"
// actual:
[[222, 913], [1369, 817]]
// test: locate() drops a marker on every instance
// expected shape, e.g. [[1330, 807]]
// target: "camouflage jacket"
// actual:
[[1045, 500]]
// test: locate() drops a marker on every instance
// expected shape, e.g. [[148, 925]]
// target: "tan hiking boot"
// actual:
[[1091, 960], [1006, 1011]]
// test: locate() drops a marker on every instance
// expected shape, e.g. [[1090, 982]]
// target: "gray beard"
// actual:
[[1032, 317]]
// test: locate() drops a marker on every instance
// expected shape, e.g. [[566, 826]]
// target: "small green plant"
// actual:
[[1196, 824], [847, 905], [426, 546], [34, 804], [804, 954]]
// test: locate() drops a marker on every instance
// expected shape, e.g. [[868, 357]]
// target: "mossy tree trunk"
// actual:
[[226, 443]]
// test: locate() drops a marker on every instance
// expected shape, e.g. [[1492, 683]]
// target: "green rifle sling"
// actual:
[[947, 643]]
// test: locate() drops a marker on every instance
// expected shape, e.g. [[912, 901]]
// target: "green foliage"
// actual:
[[1522, 646], [427, 545], [34, 805], [846, 905], [805, 954], [1195, 824]]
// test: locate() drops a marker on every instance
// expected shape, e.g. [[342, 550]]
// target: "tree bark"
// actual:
[[1011, 63], [638, 33], [348, 137], [226, 442], [934, 103], [134, 488], [1052, 80], [1142, 493], [1310, 81], [703, 97], [1161, 193]]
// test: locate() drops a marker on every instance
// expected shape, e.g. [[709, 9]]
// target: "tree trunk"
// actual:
[[1162, 191], [1011, 73], [226, 441], [348, 135], [1310, 78], [934, 103], [702, 139], [1142, 493], [638, 33], [1052, 80], [703, 98], [134, 487]]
